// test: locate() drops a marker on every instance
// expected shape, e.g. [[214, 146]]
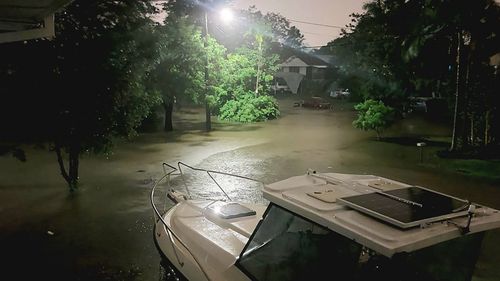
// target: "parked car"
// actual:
[[340, 93], [317, 103], [279, 86], [418, 104]]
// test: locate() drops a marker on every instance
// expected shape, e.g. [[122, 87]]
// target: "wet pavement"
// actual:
[[104, 230]]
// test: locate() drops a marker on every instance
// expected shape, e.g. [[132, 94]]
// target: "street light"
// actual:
[[226, 16]]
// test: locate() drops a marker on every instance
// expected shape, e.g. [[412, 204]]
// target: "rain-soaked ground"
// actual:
[[104, 230]]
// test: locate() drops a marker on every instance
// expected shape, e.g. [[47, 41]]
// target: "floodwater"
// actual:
[[104, 230]]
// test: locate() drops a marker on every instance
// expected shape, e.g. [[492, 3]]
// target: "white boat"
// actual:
[[323, 226]]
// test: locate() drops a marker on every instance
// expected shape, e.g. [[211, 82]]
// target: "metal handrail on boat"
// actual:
[[171, 234], [169, 231], [209, 173]]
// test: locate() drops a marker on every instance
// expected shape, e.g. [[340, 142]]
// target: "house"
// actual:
[[312, 67], [495, 60], [300, 66]]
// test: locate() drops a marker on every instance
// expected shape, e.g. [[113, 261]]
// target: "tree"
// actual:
[[241, 84], [373, 115], [273, 26], [233, 74], [255, 66], [246, 79], [368, 55], [397, 49], [283, 31], [178, 74], [92, 80], [450, 42]]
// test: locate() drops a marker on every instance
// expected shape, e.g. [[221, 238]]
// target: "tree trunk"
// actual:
[[70, 176], [465, 100], [471, 141], [259, 65], [74, 163], [437, 93], [486, 127], [169, 108], [60, 161], [454, 138], [257, 80]]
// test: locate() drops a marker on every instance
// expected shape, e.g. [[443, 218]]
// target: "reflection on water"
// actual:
[[104, 231], [169, 273], [215, 186]]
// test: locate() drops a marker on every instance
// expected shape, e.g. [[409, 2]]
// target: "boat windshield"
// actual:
[[286, 246]]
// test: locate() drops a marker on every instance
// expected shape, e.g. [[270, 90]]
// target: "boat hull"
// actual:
[[200, 262], [173, 254], [168, 272]]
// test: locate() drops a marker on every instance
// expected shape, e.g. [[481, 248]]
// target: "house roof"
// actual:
[[309, 59], [326, 58], [27, 19]]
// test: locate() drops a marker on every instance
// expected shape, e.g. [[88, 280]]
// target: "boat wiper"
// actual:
[[462, 208], [470, 213]]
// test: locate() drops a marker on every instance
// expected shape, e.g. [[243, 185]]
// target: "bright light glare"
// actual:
[[226, 15], [217, 209]]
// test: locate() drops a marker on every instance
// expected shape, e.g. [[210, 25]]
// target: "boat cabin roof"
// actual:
[[347, 204]]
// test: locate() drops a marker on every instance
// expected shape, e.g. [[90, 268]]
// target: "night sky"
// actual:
[[327, 12]]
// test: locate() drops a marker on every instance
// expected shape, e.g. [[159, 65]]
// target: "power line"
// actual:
[[319, 24], [313, 47], [314, 33]]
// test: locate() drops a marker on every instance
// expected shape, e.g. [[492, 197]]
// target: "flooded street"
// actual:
[[104, 230]]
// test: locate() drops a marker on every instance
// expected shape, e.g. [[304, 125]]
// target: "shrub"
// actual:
[[373, 115], [249, 108]]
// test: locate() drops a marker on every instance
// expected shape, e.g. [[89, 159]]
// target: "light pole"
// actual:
[[208, 121], [421, 145], [226, 16]]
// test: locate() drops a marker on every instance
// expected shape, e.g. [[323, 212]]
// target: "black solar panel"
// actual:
[[407, 207]]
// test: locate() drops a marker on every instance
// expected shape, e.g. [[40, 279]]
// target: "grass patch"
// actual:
[[476, 168], [479, 165], [488, 170]]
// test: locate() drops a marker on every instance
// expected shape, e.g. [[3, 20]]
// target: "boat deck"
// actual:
[[317, 197]]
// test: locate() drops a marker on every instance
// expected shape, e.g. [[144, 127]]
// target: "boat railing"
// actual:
[[210, 173], [158, 216], [168, 171]]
